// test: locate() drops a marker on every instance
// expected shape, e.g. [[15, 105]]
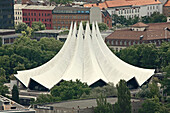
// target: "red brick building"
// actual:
[[63, 16], [33, 13], [166, 8], [138, 34], [106, 18]]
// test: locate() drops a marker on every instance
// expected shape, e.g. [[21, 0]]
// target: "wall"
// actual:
[[95, 15], [45, 16], [166, 11]]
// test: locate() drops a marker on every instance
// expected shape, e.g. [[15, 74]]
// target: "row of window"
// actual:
[[59, 27], [36, 14], [70, 11], [34, 19], [152, 7], [18, 18], [18, 13], [70, 17], [128, 11], [62, 22], [116, 42]]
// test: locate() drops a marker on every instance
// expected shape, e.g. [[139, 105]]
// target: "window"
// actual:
[[39, 14], [125, 43], [78, 11], [34, 19], [42, 20], [34, 14], [58, 27], [42, 14]]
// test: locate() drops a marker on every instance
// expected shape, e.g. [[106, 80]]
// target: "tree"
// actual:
[[21, 27], [15, 94], [36, 26], [153, 106], [3, 90], [143, 55], [103, 106], [157, 17], [70, 90], [166, 80], [102, 26], [123, 105]]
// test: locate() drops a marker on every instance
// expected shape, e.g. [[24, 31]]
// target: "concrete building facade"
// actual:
[[18, 13]]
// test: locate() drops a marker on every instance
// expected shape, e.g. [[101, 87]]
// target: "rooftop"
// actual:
[[120, 3], [139, 24], [83, 103], [167, 3], [49, 31], [154, 31], [19, 6], [39, 7]]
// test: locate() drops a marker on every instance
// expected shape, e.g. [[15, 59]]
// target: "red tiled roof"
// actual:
[[100, 5], [167, 3], [143, 2], [154, 31], [117, 3], [139, 24]]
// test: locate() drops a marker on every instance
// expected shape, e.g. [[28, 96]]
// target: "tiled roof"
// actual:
[[154, 31], [139, 24], [143, 2], [167, 3], [117, 3], [100, 5]]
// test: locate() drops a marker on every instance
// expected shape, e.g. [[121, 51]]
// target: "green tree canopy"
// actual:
[[103, 106], [15, 94], [123, 105], [70, 90], [21, 27], [153, 106], [166, 81], [143, 55], [36, 26]]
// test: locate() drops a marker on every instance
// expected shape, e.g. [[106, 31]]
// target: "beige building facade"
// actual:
[[18, 13]]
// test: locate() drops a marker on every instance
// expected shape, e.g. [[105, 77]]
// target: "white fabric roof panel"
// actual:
[[84, 56]]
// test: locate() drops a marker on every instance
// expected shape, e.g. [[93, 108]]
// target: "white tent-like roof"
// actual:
[[86, 57]]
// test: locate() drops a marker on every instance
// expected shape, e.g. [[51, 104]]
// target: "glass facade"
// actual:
[[6, 14]]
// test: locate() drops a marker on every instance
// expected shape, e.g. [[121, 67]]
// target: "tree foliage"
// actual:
[[37, 26], [149, 91], [107, 91], [156, 17], [153, 106], [15, 94], [166, 81], [123, 105], [103, 106], [26, 54], [70, 90], [21, 27], [143, 55]]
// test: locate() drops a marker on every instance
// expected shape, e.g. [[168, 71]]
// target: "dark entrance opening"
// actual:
[[33, 85]]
